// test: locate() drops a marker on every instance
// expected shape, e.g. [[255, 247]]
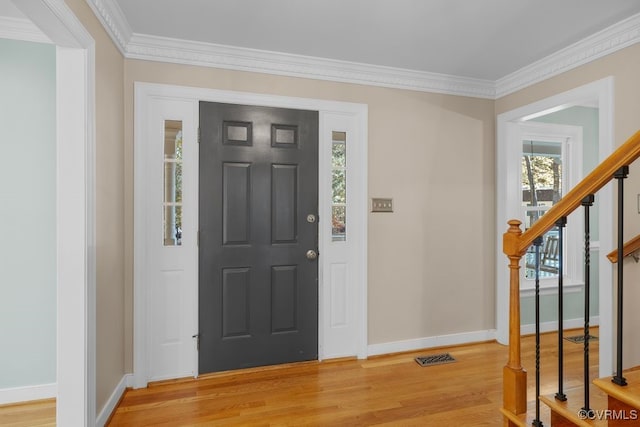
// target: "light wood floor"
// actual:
[[386, 390], [41, 413]]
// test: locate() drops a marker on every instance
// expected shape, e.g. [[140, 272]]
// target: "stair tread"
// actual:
[[629, 394], [570, 409]]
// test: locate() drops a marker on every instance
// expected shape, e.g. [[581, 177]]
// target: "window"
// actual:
[[172, 199], [339, 186], [541, 189], [550, 165]]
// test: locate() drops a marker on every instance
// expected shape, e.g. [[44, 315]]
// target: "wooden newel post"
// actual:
[[514, 378]]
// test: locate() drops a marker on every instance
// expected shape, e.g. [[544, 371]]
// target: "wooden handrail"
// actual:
[[598, 178], [630, 247]]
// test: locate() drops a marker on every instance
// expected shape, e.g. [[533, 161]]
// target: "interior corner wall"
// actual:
[[109, 99], [431, 261], [623, 66], [28, 214]]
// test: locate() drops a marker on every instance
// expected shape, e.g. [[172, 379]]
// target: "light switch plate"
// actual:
[[381, 205]]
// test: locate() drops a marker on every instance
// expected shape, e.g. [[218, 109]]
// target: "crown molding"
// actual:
[[162, 49], [114, 22], [21, 29], [618, 36], [154, 48]]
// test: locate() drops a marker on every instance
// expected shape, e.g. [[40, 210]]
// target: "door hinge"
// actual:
[[198, 239], [198, 134], [197, 337]]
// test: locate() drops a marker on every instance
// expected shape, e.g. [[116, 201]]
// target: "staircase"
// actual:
[[612, 405], [610, 401]]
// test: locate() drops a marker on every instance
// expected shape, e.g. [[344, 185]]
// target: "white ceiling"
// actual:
[[483, 39]]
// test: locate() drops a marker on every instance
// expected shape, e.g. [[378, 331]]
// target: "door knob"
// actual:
[[311, 254]]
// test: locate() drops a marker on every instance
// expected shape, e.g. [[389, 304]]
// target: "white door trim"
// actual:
[[330, 113], [75, 201], [602, 91]]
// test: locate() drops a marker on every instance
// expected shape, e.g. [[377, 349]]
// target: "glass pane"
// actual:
[[339, 186], [339, 155], [532, 215], [173, 139], [549, 257], [172, 182], [339, 136], [339, 223], [173, 230], [541, 173]]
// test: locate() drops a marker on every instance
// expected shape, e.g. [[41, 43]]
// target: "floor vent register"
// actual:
[[435, 359]]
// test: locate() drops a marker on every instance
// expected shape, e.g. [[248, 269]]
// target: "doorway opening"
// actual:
[[590, 108]]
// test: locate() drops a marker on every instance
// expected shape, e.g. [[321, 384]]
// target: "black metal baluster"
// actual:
[[537, 243], [561, 223], [620, 175], [587, 202]]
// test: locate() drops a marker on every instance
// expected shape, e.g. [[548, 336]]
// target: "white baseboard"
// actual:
[[553, 326], [428, 342], [110, 406], [25, 394]]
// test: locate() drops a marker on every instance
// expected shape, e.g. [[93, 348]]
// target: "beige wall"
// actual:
[[109, 206], [623, 66], [434, 154]]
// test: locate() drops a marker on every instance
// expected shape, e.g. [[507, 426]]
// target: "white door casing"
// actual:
[[166, 278], [600, 91], [75, 207]]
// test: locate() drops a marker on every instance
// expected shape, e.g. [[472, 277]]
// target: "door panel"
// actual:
[[236, 203], [284, 187], [258, 301]]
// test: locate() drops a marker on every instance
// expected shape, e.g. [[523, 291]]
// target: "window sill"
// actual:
[[551, 287]]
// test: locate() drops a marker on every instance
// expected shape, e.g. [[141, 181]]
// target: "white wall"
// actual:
[[27, 214]]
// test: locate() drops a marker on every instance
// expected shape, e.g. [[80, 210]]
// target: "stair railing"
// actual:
[[515, 245]]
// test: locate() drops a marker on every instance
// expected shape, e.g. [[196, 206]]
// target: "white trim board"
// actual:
[[431, 342], [28, 393], [142, 46]]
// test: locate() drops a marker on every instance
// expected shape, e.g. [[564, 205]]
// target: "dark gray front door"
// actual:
[[258, 290]]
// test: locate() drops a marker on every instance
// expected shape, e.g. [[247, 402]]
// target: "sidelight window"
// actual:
[[172, 199], [339, 186]]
